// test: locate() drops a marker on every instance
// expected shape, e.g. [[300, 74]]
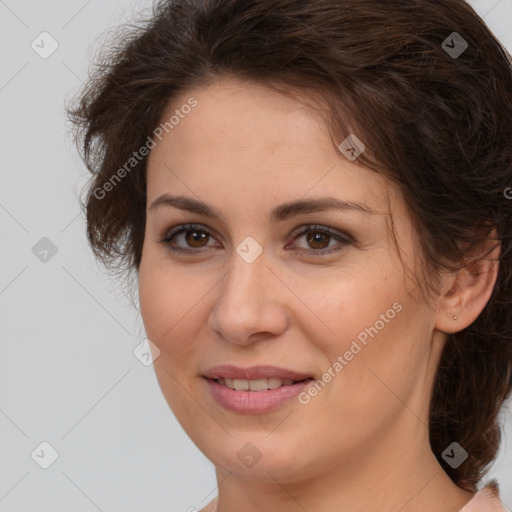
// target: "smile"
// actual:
[[254, 396]]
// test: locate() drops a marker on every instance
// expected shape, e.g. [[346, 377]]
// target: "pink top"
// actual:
[[485, 500]]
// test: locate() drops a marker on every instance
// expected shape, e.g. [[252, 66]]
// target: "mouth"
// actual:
[[254, 390]]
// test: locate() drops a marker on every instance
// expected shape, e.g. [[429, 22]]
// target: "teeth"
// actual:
[[274, 383], [241, 385], [256, 384]]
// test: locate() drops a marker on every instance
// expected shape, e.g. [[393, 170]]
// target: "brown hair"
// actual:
[[436, 123]]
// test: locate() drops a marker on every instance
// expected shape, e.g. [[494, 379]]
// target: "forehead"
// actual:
[[242, 116], [245, 139]]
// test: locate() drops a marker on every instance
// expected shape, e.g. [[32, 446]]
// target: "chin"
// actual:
[[258, 458]]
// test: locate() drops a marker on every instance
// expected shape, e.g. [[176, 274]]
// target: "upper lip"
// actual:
[[230, 371]]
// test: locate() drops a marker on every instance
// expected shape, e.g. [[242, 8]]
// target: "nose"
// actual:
[[250, 303]]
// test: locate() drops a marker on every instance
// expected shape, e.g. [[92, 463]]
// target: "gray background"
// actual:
[[68, 375]]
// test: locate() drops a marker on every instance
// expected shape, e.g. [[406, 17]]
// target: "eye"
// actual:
[[318, 237], [196, 237]]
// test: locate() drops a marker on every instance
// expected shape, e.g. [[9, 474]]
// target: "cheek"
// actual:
[[171, 305], [152, 304], [370, 323], [347, 305], [381, 336], [159, 298]]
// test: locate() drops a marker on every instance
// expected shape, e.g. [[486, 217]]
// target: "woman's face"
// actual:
[[252, 287]]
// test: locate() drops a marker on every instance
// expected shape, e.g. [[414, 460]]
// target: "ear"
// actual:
[[466, 292]]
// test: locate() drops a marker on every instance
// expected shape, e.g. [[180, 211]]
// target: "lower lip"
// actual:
[[254, 402]]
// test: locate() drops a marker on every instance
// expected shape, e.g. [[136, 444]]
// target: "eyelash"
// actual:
[[344, 239]]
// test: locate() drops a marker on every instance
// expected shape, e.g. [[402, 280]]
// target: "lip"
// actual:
[[253, 373], [254, 402]]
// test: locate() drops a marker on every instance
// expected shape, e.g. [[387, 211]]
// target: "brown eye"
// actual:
[[196, 238], [318, 240], [190, 238]]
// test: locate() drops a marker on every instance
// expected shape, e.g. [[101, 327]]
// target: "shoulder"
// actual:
[[486, 499]]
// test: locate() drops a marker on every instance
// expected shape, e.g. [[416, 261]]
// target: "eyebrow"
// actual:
[[278, 214]]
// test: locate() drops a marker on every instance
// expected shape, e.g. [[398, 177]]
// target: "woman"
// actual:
[[312, 195]]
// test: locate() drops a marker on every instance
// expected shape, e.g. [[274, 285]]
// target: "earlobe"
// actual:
[[469, 289]]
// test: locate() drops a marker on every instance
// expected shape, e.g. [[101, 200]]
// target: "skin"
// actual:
[[362, 442]]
